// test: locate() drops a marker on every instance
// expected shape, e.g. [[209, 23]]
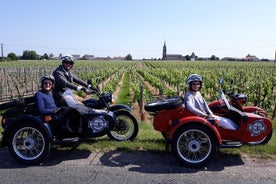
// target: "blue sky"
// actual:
[[139, 27]]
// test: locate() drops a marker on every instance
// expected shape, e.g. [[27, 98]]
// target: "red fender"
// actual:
[[254, 109], [193, 120]]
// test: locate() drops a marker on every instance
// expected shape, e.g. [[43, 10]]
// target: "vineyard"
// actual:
[[148, 80]]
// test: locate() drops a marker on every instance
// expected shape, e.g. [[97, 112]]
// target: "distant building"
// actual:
[[246, 58], [166, 56], [88, 57], [76, 56], [119, 58]]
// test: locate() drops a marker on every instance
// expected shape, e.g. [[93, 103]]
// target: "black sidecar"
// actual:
[[29, 136]]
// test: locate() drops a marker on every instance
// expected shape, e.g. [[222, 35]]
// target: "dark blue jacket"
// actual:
[[45, 103]]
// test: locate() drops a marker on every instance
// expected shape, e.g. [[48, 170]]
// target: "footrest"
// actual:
[[231, 144], [67, 141]]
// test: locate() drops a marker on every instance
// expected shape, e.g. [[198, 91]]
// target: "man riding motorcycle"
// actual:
[[65, 79]]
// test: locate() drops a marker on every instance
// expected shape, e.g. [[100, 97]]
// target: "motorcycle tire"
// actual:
[[264, 141], [126, 127], [28, 143], [194, 145], [164, 104]]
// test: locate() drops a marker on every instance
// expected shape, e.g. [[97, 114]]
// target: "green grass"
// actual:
[[124, 95], [147, 140]]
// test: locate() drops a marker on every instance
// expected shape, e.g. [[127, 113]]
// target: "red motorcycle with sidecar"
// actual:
[[195, 140]]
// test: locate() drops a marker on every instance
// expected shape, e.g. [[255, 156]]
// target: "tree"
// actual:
[[187, 58], [32, 55], [12, 57], [45, 56], [51, 56], [213, 57], [128, 57]]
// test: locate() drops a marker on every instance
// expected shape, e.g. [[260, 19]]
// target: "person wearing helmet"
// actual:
[[43, 98], [65, 79], [195, 103]]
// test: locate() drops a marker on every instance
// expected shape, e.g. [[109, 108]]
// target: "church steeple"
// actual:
[[164, 56]]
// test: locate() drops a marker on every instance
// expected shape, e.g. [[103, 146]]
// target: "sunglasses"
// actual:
[[196, 84], [68, 62], [47, 83]]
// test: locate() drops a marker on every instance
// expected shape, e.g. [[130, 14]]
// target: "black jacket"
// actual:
[[65, 80]]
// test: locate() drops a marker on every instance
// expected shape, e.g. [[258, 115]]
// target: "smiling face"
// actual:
[[195, 86], [47, 85], [67, 65]]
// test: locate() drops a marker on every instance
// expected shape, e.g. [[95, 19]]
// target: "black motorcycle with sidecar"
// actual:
[[29, 136]]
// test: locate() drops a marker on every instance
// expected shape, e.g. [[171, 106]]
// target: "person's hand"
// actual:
[[210, 116], [56, 110], [87, 91], [93, 89]]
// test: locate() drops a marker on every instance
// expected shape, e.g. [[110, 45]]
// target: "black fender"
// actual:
[[12, 122], [117, 107]]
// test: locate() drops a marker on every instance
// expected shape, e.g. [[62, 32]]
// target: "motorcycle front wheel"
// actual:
[[126, 127], [28, 143]]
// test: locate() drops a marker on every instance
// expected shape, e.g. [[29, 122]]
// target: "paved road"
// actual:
[[114, 167]]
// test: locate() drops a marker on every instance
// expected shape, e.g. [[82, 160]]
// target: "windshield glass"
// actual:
[[222, 99], [70, 98]]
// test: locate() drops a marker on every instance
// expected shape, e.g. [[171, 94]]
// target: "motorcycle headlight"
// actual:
[[112, 99]]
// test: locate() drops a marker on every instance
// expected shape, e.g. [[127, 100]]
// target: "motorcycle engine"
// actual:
[[98, 124]]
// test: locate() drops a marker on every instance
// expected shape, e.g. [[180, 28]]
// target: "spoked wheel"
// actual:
[[29, 144], [126, 127], [194, 145]]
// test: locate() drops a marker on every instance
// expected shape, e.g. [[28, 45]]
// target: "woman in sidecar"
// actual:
[[65, 118]]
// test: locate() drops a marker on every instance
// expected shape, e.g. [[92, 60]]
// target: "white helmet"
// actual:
[[194, 78], [67, 57]]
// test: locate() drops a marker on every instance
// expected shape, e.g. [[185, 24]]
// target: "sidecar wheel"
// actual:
[[28, 143], [194, 145], [126, 127], [164, 104]]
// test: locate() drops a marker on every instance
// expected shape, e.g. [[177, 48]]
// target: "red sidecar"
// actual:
[[195, 140]]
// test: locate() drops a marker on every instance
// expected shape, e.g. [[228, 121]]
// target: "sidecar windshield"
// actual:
[[222, 99], [70, 98]]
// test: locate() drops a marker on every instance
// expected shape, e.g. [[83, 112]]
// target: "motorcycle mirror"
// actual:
[[231, 81], [89, 81], [221, 80], [97, 80]]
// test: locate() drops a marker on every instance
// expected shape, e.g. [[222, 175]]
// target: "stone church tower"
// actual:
[[164, 56]]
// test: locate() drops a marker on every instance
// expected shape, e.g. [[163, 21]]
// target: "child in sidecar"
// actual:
[[197, 104]]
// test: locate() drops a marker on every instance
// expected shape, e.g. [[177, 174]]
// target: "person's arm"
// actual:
[[209, 112], [79, 81], [60, 79]]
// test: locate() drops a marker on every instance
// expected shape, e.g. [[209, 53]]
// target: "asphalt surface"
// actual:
[[83, 166]]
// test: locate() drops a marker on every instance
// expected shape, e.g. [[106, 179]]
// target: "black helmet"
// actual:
[[48, 77]]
